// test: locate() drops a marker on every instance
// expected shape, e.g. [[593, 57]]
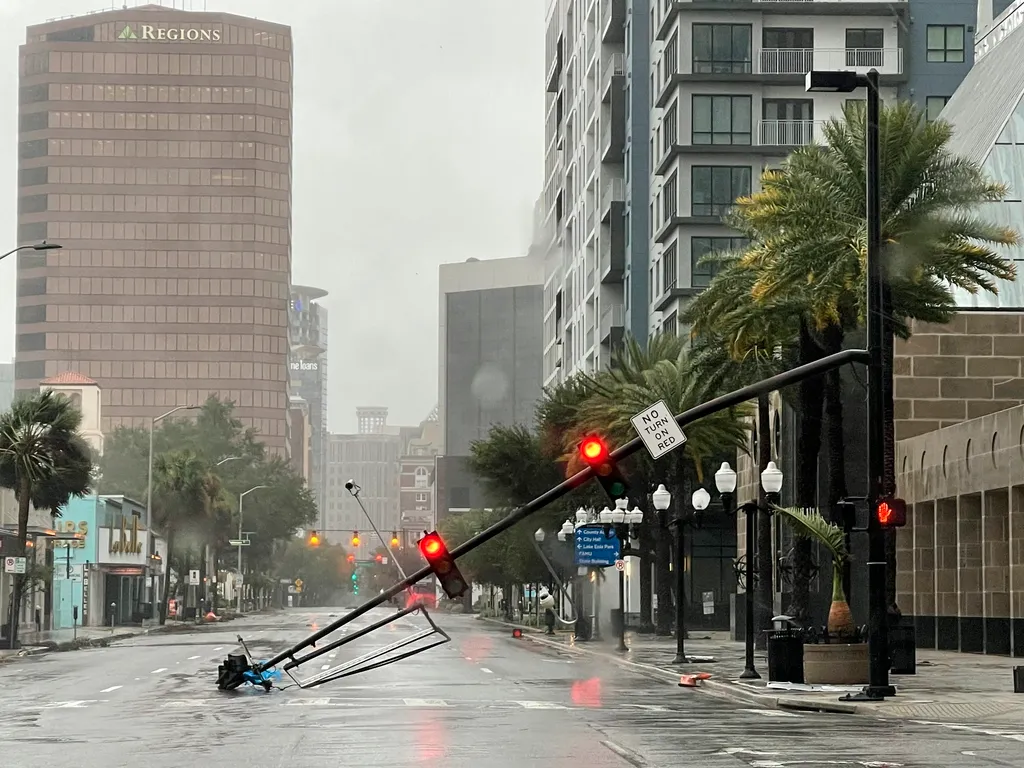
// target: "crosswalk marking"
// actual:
[[308, 702], [540, 705], [425, 702]]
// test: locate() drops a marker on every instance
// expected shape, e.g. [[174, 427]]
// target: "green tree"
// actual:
[[45, 461], [324, 570]]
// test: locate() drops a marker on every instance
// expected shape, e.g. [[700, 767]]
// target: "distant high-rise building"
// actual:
[[6, 386], [490, 363], [155, 147], [307, 374]]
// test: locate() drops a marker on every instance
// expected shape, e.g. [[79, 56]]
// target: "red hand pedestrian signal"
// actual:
[[595, 452], [891, 513], [443, 565]]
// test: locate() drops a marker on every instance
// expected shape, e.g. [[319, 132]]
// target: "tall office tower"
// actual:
[[593, 59], [155, 147], [307, 372], [729, 101]]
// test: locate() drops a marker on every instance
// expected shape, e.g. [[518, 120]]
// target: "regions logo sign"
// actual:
[[151, 32]]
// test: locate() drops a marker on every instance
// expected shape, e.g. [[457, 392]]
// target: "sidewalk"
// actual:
[[948, 687]]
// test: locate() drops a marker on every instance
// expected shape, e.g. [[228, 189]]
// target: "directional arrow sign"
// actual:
[[594, 549], [239, 542]]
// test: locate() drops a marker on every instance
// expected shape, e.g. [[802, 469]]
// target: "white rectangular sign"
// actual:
[[15, 564], [193, 577], [658, 429]]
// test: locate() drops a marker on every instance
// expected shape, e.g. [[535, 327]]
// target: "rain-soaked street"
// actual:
[[483, 700]]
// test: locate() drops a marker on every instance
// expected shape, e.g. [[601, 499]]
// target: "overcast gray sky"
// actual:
[[417, 140]]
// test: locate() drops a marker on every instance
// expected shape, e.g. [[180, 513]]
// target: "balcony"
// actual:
[[788, 133], [799, 61], [612, 248], [612, 326], [613, 76], [614, 192], [613, 21]]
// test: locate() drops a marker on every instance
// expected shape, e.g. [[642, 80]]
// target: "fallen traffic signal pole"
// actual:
[[235, 676]]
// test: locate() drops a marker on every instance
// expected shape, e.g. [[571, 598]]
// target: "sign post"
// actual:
[[658, 429]]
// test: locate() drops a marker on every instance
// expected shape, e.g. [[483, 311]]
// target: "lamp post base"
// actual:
[[681, 659], [749, 674], [622, 646]]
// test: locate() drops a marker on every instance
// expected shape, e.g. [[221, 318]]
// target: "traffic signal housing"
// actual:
[[595, 453], [355, 582], [355, 538], [380, 558], [314, 539], [891, 512], [441, 562], [394, 540]]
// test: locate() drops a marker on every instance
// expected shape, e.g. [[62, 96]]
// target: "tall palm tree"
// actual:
[[636, 380], [181, 500], [45, 461]]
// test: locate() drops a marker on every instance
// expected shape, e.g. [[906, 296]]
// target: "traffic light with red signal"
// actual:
[[314, 539], [355, 538], [891, 512], [351, 558], [595, 452], [443, 565], [380, 558]]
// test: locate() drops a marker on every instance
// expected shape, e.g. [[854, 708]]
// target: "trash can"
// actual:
[[616, 622], [902, 650], [583, 628], [785, 652]]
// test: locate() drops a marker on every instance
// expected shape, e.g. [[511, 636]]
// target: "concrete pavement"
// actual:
[[482, 701]]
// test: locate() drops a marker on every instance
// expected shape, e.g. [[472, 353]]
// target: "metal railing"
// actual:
[[799, 61], [788, 133], [616, 66]]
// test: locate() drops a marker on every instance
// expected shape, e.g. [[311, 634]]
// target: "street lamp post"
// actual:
[[240, 497], [149, 505], [877, 287], [43, 246], [623, 520]]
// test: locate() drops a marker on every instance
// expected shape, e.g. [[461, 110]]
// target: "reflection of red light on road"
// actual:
[[314, 626], [587, 693], [430, 743], [476, 647]]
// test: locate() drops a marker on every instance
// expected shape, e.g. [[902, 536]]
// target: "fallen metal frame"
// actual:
[[730, 400]]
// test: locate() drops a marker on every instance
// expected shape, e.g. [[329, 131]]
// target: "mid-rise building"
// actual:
[[420, 447], [6, 386], [728, 98], [307, 374], [155, 147], [490, 362]]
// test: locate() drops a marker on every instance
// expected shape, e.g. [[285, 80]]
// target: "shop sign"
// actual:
[[124, 545], [70, 526]]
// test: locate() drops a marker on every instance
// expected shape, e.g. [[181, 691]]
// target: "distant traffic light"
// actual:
[[594, 451], [355, 582], [380, 558], [443, 565], [394, 540], [355, 538], [352, 559], [314, 539], [891, 513]]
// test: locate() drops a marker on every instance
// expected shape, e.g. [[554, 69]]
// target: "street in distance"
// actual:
[[658, 429]]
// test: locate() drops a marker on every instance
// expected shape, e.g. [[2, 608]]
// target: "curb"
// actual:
[[719, 689]]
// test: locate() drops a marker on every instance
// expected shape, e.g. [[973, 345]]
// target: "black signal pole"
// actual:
[[878, 626]]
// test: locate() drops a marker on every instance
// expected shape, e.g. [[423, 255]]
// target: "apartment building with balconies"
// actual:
[[728, 102], [591, 210]]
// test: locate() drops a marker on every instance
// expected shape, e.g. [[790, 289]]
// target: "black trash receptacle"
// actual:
[[616, 621], [583, 628], [785, 656], [902, 650]]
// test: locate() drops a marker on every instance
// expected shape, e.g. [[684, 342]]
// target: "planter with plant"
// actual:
[[839, 657]]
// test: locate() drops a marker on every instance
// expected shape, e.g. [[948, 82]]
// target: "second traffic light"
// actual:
[[443, 565], [595, 453], [355, 538], [314, 539]]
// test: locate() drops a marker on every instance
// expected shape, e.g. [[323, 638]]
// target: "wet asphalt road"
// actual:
[[482, 701]]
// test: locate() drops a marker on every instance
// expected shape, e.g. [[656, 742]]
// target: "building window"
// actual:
[[721, 49], [422, 477], [946, 43], [421, 498], [670, 62], [721, 120], [671, 326], [670, 128], [670, 198], [933, 106], [864, 47], [787, 50], [702, 274], [670, 267], [714, 188]]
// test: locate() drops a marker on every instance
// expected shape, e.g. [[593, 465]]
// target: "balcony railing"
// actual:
[[800, 61], [614, 191], [613, 316], [616, 66], [788, 133]]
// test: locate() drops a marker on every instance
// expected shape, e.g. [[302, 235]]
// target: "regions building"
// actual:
[[307, 376], [155, 148]]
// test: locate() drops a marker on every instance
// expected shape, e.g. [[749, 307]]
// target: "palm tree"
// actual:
[[45, 461], [636, 379], [181, 501]]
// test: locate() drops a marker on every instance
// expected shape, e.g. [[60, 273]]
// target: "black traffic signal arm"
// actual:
[[696, 413]]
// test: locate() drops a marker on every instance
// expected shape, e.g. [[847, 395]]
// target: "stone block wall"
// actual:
[[947, 374]]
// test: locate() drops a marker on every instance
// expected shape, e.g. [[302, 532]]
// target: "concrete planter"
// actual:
[[836, 664]]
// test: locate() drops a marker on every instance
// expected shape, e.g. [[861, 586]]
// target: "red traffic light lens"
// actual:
[[593, 449], [431, 546]]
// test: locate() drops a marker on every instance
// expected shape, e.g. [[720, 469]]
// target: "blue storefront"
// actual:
[[73, 561]]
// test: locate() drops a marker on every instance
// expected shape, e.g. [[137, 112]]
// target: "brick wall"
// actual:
[[946, 374]]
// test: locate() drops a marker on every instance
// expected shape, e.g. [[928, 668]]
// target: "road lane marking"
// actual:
[[70, 704], [192, 658], [111, 688], [539, 705], [156, 671], [426, 703], [770, 712], [219, 648], [485, 669], [309, 703]]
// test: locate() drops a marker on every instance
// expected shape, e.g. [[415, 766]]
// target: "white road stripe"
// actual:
[[192, 658], [157, 671], [111, 688], [770, 712], [539, 705], [426, 703], [485, 669], [219, 648]]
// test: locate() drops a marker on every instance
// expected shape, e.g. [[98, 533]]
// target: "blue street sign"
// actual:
[[592, 548]]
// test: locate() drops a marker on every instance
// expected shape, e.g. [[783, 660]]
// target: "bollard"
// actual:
[[113, 611], [1018, 679]]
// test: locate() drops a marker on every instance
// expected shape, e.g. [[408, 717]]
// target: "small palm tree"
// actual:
[[811, 525], [45, 461]]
